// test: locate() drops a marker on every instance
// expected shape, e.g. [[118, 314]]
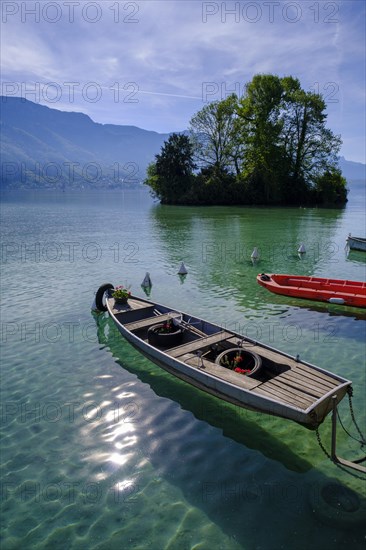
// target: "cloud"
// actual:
[[167, 51]]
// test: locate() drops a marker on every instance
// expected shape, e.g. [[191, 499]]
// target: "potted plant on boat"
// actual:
[[165, 334], [121, 295], [240, 361]]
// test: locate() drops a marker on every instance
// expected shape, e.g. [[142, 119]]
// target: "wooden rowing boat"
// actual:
[[334, 291], [206, 356], [356, 243]]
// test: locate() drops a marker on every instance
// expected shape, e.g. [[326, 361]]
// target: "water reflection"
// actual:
[[218, 244], [231, 235], [356, 257]]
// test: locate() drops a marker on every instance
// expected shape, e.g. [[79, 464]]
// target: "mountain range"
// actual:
[[43, 147], [48, 148]]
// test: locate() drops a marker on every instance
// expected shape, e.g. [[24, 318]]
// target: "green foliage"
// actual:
[[170, 176], [331, 188], [214, 133], [271, 146]]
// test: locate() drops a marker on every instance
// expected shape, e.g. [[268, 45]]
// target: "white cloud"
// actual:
[[169, 52]]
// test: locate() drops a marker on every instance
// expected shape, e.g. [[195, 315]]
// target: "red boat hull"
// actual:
[[336, 291]]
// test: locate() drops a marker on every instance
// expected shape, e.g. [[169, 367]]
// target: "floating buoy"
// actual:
[[182, 269], [336, 301], [302, 249], [146, 283], [255, 254]]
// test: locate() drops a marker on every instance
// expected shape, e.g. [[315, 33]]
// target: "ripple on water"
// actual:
[[159, 464]]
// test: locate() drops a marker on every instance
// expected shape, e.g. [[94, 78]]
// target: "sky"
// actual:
[[154, 64]]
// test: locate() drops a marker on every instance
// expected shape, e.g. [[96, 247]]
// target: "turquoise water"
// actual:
[[100, 448]]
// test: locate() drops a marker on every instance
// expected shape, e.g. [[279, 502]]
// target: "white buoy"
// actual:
[[255, 254], [302, 249], [182, 269], [336, 301], [146, 283]]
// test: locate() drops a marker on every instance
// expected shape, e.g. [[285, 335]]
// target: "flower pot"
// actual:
[[164, 339], [239, 358], [121, 300]]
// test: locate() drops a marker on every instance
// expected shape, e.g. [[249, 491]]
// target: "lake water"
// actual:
[[103, 450]]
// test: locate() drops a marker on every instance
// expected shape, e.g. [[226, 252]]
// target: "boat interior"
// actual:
[[279, 377], [316, 283]]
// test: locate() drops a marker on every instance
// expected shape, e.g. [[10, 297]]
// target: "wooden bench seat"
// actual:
[[199, 343], [150, 321]]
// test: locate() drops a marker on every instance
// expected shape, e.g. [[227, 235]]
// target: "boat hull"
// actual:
[[357, 243], [309, 419], [257, 395], [336, 291]]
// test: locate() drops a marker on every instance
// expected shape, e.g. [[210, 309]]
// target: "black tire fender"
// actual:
[[99, 297]]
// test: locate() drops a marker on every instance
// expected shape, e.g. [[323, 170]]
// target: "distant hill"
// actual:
[[43, 147], [352, 170]]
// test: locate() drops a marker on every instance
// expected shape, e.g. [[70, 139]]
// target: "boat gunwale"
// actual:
[[313, 279]]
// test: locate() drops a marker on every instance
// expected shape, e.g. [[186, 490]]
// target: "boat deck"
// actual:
[[299, 386]]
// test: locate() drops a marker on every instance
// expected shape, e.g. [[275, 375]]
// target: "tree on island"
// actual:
[[270, 146], [171, 175], [214, 133]]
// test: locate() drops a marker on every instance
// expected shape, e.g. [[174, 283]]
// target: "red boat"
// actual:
[[334, 291]]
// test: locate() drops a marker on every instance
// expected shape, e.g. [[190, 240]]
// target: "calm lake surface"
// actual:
[[103, 450]]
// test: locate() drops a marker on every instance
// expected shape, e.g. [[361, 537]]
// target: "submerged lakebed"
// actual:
[[101, 448]]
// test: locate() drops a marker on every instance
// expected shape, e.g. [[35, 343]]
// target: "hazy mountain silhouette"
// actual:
[[352, 170], [51, 148]]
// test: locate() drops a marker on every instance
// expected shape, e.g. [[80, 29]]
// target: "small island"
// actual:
[[269, 147]]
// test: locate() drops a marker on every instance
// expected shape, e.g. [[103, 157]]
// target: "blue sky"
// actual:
[[154, 64]]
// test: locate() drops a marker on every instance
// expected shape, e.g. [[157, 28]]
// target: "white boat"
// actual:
[[221, 362], [356, 243]]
